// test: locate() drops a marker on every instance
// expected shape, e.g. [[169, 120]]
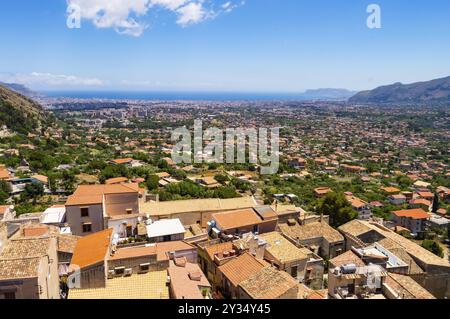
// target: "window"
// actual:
[[119, 270], [294, 271], [87, 228], [129, 211], [84, 212], [144, 267], [9, 295]]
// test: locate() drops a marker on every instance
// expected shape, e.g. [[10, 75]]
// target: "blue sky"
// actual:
[[258, 46]]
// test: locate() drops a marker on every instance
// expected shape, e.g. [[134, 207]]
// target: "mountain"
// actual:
[[328, 94], [21, 89], [432, 91], [19, 113]]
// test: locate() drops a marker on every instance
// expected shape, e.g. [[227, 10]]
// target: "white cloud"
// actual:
[[40, 80], [126, 16], [191, 13]]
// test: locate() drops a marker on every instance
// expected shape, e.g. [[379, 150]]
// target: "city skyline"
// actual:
[[222, 46]]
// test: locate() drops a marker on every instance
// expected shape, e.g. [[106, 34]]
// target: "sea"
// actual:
[[177, 96]]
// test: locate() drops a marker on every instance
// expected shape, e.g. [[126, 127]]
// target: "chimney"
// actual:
[[321, 217]]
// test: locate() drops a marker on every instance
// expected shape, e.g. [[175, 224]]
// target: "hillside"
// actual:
[[19, 113], [328, 94], [21, 89], [421, 92]]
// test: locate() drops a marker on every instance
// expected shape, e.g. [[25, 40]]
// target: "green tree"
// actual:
[[152, 182], [338, 208], [436, 203], [434, 247]]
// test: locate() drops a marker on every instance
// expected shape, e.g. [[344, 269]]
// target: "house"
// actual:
[[93, 208], [427, 269], [297, 163], [235, 223], [421, 185], [123, 161], [269, 283], [319, 237], [437, 221], [187, 281], [397, 200], [208, 182], [322, 191], [285, 255], [426, 195], [212, 255], [89, 260], [362, 207], [390, 190], [165, 230], [29, 269], [412, 219], [235, 271], [65, 242], [420, 203]]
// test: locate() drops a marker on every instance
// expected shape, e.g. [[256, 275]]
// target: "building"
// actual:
[[236, 223], [165, 230], [427, 269], [55, 215], [187, 281], [269, 283], [363, 208], [283, 254], [150, 257], [29, 268], [398, 199], [413, 219], [319, 237], [89, 260], [195, 211], [237, 270], [322, 191], [93, 208], [351, 277]]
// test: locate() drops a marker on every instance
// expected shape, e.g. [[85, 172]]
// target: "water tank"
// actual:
[[349, 269]]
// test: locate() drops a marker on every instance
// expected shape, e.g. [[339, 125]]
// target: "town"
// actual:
[[94, 206]]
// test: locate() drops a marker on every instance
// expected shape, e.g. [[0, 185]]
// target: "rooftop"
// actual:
[[165, 227], [92, 249], [268, 283], [418, 213], [151, 285], [186, 281], [237, 219], [241, 268], [281, 248], [93, 194], [197, 205], [310, 231]]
